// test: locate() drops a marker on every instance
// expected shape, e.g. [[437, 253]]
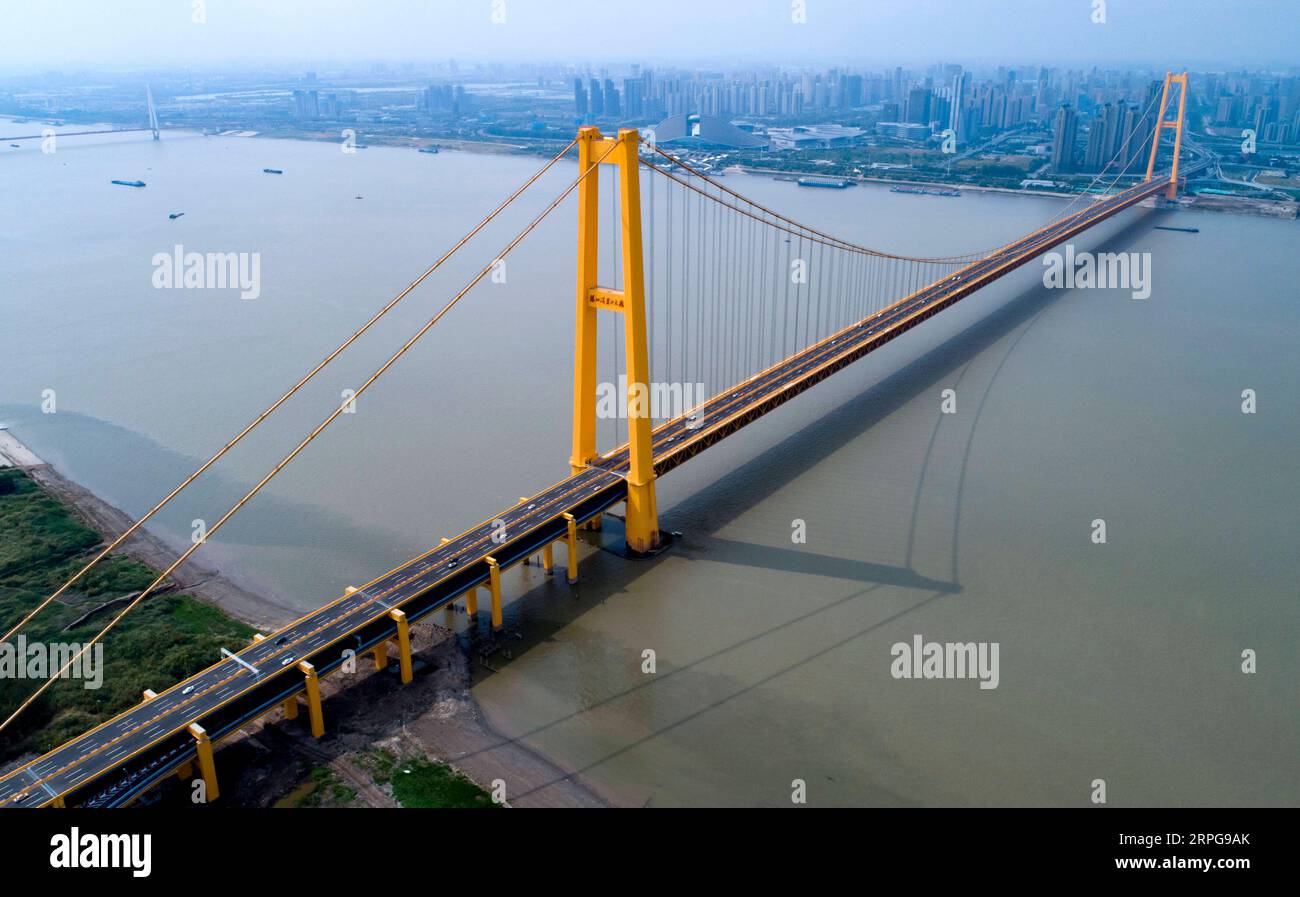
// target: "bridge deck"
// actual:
[[77, 133], [113, 763]]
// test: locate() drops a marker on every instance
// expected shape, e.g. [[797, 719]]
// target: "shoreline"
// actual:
[[1282, 210], [437, 713], [901, 182], [193, 577]]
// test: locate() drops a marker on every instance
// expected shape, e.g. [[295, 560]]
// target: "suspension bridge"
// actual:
[[718, 302]]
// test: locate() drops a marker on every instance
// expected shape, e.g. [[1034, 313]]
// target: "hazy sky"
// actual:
[[47, 34]]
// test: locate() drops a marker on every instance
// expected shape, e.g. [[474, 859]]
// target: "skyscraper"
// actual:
[[918, 106], [611, 98], [1098, 153], [956, 120], [305, 105], [1063, 137], [579, 97], [633, 105]]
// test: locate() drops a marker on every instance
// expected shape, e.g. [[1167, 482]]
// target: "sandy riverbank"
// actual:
[[193, 577]]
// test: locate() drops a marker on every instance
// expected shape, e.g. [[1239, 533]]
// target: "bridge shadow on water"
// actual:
[[551, 606]]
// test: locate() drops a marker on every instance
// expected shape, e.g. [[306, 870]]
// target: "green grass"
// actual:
[[424, 784], [379, 763], [165, 639], [321, 788]]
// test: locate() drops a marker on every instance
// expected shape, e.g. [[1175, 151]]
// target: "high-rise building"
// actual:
[[611, 98], [438, 98], [940, 110], [1226, 112], [956, 119], [918, 106], [579, 97], [597, 101], [1063, 137], [1125, 130], [1265, 114], [633, 102], [850, 91], [1097, 151], [306, 105]]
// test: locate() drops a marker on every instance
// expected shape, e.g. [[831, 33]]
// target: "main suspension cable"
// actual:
[[782, 222], [284, 398], [379, 372]]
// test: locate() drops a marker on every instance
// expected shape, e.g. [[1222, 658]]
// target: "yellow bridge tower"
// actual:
[[1177, 124], [595, 150]]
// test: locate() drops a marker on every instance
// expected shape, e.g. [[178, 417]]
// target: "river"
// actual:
[[1119, 661]]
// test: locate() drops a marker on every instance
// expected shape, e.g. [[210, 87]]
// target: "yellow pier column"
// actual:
[[58, 803], [403, 644], [314, 711], [471, 602], [494, 583], [548, 558], [642, 526], [185, 771], [381, 655], [291, 707], [207, 765], [571, 539]]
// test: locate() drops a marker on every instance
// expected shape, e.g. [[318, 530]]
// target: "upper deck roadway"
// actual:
[[113, 763]]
